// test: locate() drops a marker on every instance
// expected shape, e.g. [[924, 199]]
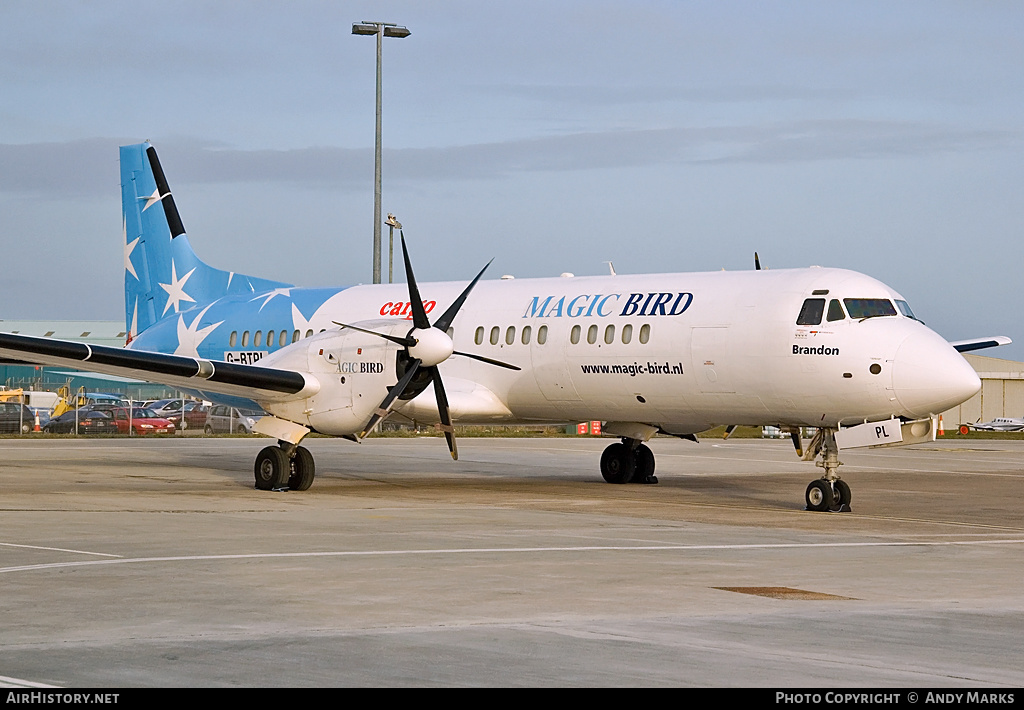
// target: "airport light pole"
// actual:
[[382, 30], [392, 223]]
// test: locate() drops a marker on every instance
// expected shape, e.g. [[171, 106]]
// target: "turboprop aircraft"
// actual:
[[998, 424], [672, 354]]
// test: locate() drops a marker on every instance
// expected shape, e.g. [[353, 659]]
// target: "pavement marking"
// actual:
[[512, 550], [6, 682], [57, 549]]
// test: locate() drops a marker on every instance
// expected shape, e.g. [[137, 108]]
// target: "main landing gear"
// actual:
[[829, 492], [628, 462], [284, 467]]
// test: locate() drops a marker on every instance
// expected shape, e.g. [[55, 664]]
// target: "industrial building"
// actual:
[[36, 377]]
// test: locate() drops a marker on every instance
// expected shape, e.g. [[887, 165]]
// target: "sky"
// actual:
[[553, 136]]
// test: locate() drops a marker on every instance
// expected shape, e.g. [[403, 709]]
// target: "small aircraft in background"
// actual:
[[997, 424]]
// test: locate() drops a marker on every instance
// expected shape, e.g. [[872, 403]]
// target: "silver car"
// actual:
[[222, 419]]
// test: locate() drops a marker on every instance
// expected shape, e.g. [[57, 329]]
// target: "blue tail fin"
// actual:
[[162, 274]]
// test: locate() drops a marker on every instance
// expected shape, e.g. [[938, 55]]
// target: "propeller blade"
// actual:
[[385, 406], [757, 262], [406, 342], [442, 410], [419, 316], [488, 360], [448, 316]]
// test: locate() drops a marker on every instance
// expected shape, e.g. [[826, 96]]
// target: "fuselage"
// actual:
[[680, 352]]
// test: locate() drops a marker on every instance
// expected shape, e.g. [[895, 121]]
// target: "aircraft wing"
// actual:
[[237, 380], [964, 346]]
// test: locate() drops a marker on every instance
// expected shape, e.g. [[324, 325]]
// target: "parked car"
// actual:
[[195, 414], [92, 421], [170, 409], [222, 419], [142, 421], [16, 417]]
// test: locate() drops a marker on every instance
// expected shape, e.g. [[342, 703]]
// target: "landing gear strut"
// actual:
[[284, 467], [828, 492], [630, 461]]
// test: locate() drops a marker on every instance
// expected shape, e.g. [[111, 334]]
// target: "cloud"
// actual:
[[89, 167]]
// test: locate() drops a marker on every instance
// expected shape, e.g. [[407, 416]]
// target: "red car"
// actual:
[[143, 421]]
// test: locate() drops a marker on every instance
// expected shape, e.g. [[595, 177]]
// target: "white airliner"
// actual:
[[652, 354]]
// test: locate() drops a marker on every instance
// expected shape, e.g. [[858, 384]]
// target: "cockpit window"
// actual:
[[905, 309], [835, 310], [811, 312], [869, 307]]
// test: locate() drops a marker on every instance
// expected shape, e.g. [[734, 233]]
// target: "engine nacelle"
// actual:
[[355, 371]]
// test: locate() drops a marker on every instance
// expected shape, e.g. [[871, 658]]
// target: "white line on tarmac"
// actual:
[[6, 682], [57, 549], [500, 550]]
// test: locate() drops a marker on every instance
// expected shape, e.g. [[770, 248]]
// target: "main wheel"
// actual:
[[302, 470], [819, 495], [618, 464], [644, 465], [271, 469]]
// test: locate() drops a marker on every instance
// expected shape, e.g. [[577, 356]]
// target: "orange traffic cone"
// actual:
[[942, 431], [37, 428]]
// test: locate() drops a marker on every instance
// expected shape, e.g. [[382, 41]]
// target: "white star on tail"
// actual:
[[190, 337], [128, 266], [176, 290], [268, 296], [154, 198]]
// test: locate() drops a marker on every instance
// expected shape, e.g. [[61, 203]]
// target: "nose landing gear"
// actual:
[[828, 493]]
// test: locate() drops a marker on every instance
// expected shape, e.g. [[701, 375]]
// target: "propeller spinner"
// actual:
[[426, 346]]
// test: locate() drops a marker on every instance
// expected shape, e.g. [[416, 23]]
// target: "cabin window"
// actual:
[[609, 335], [257, 340], [542, 335], [479, 337], [309, 333], [869, 307], [627, 334], [283, 338], [811, 312], [835, 310], [592, 334], [495, 331], [526, 334], [645, 333], [270, 338], [574, 335], [295, 336], [245, 339], [233, 339], [510, 335]]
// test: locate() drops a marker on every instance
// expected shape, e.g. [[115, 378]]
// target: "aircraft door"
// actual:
[[710, 359]]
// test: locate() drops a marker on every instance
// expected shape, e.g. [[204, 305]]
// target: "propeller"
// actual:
[[426, 346]]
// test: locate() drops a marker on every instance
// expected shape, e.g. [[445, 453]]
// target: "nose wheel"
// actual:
[[828, 493]]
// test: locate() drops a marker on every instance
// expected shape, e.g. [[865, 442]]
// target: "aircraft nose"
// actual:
[[929, 376]]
